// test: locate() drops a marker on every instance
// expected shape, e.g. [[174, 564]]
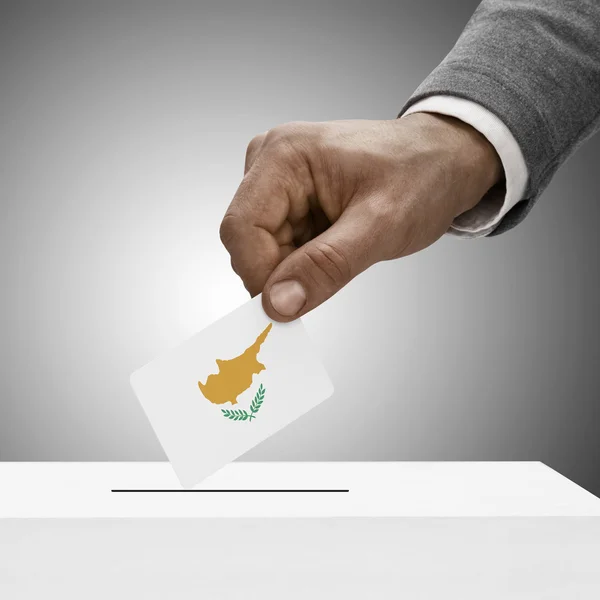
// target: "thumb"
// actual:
[[317, 270]]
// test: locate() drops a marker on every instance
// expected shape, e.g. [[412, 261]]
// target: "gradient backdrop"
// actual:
[[123, 128]]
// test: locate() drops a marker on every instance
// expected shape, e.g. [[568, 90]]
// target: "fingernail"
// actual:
[[287, 297]]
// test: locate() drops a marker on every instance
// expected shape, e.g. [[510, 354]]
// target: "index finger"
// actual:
[[255, 230]]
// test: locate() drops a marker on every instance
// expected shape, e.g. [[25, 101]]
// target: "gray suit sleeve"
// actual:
[[536, 65]]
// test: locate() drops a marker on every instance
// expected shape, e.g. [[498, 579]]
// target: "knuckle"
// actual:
[[286, 147], [284, 131], [394, 222], [254, 146], [275, 135], [382, 208], [228, 230], [329, 261], [286, 137], [382, 215]]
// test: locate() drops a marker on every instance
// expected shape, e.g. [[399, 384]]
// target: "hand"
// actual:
[[322, 202]]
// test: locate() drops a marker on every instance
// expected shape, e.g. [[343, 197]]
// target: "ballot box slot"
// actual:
[[228, 491]]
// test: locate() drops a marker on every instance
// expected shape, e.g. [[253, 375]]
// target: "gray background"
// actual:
[[123, 128]]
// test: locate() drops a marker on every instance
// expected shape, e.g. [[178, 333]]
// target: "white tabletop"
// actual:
[[338, 489]]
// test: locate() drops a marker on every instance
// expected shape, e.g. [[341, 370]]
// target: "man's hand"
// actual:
[[322, 202]]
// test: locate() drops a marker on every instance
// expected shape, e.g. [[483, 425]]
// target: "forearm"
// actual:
[[536, 65]]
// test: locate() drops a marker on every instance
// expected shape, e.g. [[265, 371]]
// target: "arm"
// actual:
[[322, 202], [534, 64]]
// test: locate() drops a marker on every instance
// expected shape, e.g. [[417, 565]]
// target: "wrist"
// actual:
[[471, 158]]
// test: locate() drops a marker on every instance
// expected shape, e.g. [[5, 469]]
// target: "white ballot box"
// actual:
[[297, 530]]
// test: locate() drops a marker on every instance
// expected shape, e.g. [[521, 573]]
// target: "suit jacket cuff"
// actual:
[[489, 212]]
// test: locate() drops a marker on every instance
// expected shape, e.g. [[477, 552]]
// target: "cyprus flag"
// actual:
[[228, 388]]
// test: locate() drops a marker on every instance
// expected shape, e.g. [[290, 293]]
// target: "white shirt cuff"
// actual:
[[485, 217]]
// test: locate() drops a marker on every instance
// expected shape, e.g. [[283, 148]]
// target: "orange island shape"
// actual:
[[235, 375]]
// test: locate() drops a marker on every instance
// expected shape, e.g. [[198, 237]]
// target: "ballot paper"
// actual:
[[228, 388]]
